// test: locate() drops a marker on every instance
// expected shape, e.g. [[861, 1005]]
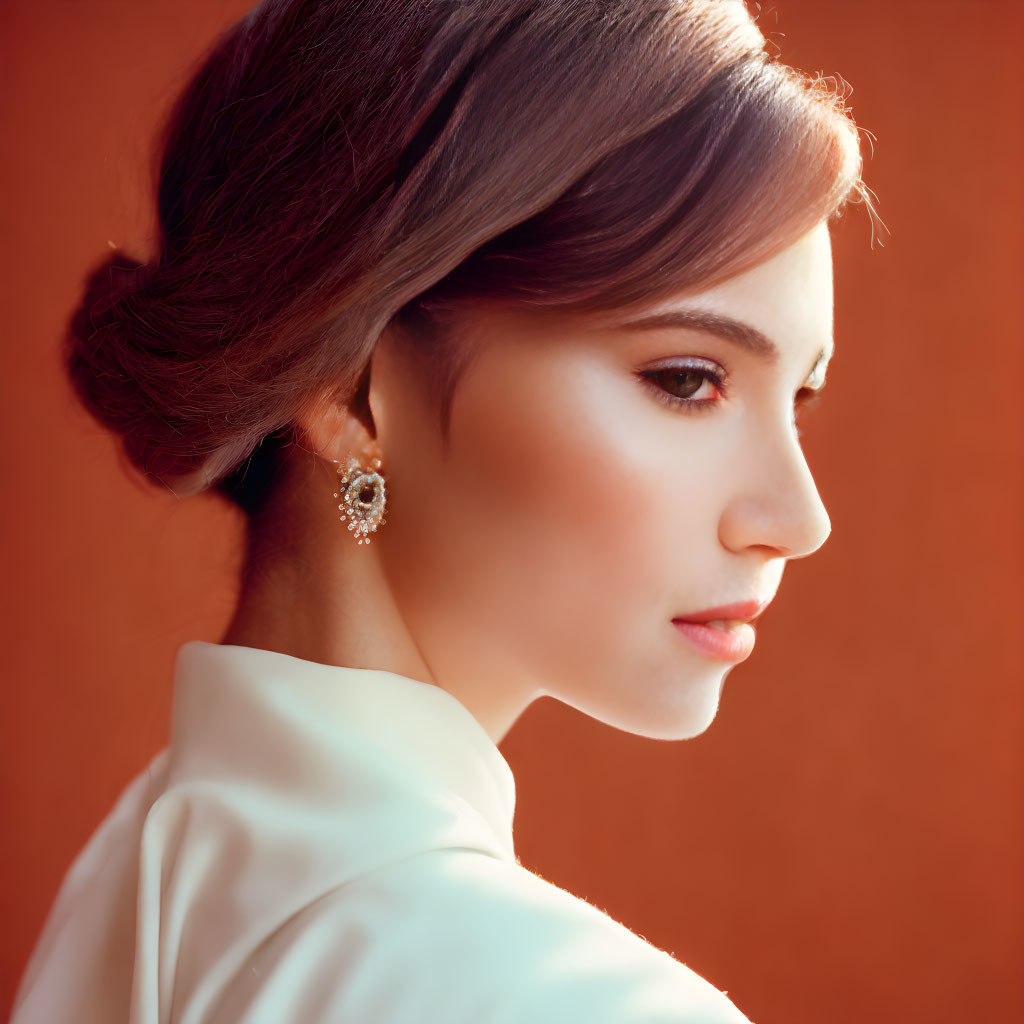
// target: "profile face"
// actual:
[[600, 482]]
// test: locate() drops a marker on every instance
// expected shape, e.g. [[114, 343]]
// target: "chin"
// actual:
[[685, 727], [668, 712]]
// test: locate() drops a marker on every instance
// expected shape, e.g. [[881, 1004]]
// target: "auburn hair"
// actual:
[[333, 165]]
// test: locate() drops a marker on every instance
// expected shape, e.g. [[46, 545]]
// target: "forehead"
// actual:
[[788, 299], [782, 309]]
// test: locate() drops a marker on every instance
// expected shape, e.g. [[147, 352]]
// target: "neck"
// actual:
[[308, 590]]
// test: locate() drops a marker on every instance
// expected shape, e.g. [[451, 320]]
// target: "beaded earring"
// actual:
[[361, 490]]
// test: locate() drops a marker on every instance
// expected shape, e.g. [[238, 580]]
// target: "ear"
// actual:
[[334, 431]]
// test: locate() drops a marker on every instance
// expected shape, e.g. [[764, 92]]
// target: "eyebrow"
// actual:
[[736, 331]]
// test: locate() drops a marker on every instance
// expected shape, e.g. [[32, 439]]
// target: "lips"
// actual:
[[728, 643], [740, 611], [723, 632]]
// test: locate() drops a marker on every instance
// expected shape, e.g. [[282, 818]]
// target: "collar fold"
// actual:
[[389, 765]]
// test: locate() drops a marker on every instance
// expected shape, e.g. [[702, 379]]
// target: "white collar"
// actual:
[[405, 754]]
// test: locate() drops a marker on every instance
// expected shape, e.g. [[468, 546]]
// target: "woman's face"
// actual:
[[600, 482]]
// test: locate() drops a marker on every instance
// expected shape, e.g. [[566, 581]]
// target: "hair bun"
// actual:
[[99, 325], [112, 280], [103, 355], [138, 367]]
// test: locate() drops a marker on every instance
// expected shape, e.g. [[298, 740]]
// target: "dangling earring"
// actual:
[[362, 492]]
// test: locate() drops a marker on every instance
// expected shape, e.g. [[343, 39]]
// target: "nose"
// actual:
[[776, 503]]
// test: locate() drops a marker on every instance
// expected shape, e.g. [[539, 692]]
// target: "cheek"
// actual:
[[556, 527]]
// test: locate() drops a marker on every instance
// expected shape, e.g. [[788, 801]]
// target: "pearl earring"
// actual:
[[363, 498]]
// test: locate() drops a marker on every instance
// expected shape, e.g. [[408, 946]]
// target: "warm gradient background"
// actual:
[[845, 844]]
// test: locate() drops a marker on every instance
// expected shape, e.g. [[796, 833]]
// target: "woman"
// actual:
[[493, 319]]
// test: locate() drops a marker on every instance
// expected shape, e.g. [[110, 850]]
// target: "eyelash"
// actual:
[[674, 401], [804, 397]]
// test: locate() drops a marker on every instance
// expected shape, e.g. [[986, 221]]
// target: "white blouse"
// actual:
[[330, 845]]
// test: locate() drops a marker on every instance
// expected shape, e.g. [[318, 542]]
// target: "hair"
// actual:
[[334, 165]]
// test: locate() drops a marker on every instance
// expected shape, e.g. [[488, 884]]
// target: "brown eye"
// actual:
[[676, 385], [681, 383]]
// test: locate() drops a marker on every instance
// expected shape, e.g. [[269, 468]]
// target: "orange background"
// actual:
[[845, 844]]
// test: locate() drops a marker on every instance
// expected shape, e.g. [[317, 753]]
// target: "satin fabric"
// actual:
[[328, 845]]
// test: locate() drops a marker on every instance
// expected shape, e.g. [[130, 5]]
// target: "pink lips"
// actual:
[[740, 610], [735, 643]]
